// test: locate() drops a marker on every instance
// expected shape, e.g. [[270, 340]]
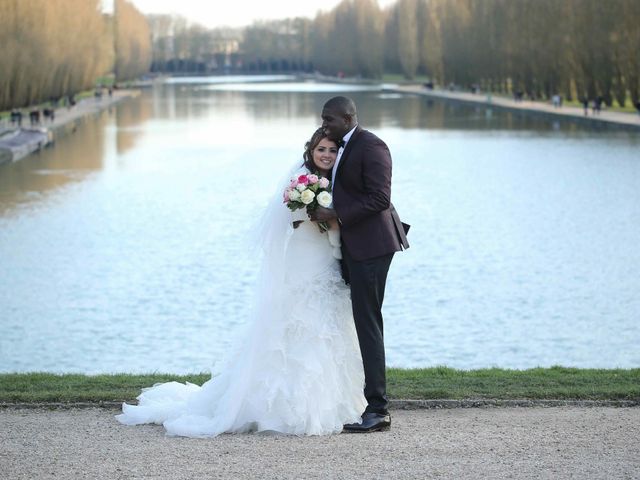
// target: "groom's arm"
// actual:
[[376, 186], [322, 214]]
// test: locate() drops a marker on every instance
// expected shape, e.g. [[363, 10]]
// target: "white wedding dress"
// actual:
[[298, 369]]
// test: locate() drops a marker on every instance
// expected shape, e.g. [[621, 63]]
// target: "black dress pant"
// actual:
[[367, 279]]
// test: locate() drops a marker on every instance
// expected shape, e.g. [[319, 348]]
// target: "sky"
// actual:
[[236, 13]]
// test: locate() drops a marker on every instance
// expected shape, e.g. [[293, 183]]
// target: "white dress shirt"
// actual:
[[340, 150]]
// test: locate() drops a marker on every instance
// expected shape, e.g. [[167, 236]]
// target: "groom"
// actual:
[[371, 233]]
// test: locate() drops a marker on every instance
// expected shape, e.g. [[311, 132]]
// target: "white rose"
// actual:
[[301, 187], [307, 197], [294, 195], [324, 199]]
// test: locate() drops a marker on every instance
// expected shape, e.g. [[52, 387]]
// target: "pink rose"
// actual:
[[294, 183], [303, 179], [312, 179], [285, 196], [324, 183]]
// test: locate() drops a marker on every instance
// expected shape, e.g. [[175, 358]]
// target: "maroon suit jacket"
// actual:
[[370, 226]]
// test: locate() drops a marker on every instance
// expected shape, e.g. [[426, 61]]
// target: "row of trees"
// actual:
[[53, 49], [132, 41], [578, 48], [180, 46], [348, 39]]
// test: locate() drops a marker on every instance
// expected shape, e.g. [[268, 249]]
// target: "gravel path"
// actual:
[[495, 443]]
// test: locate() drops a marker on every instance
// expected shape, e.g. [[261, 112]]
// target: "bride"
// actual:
[[298, 369]]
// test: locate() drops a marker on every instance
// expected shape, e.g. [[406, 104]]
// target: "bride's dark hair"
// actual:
[[310, 146]]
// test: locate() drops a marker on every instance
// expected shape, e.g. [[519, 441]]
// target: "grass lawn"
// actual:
[[430, 383]]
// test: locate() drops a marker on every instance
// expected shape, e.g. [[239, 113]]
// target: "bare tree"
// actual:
[[132, 40]]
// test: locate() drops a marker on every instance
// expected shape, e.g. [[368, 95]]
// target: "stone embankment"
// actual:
[[577, 114], [20, 141]]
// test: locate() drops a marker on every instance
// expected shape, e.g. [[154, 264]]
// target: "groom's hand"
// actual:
[[322, 214]]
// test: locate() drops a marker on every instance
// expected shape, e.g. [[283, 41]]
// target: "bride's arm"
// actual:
[[334, 239]]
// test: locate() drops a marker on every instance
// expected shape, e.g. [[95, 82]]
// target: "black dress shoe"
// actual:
[[371, 422]]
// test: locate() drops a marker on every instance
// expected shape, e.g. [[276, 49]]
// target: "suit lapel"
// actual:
[[348, 148]]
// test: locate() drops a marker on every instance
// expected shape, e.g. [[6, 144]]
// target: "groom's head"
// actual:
[[338, 117]]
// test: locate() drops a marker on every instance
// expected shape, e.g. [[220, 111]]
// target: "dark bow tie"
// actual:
[[340, 143]]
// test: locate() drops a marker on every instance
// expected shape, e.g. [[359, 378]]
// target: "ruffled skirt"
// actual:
[[300, 373]]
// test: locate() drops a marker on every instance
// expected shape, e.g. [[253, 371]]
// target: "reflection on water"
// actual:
[[379, 109], [73, 157], [128, 122], [124, 246], [298, 87], [243, 79]]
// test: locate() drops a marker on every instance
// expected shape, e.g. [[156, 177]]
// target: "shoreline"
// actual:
[[19, 142], [626, 121], [395, 405]]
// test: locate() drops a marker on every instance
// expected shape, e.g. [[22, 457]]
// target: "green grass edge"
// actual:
[[553, 383]]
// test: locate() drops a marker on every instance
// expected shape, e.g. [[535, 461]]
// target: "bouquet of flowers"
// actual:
[[308, 191]]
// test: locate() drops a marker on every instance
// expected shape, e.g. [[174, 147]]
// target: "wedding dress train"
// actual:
[[298, 369]]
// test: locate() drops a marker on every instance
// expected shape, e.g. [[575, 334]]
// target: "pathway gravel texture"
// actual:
[[492, 443]]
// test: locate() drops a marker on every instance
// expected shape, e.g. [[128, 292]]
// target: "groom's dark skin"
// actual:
[[336, 123]]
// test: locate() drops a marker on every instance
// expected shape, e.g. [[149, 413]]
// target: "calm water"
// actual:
[[123, 248]]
